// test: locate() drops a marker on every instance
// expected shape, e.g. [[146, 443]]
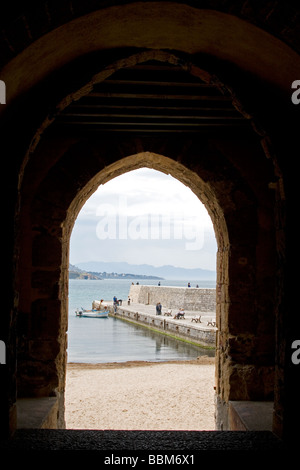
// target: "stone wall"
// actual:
[[196, 299], [203, 336]]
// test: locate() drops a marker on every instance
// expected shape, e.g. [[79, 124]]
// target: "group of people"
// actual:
[[177, 316], [189, 284], [158, 308], [116, 302]]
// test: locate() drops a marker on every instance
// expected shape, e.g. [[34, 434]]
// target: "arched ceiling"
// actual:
[[152, 25], [152, 96], [62, 55]]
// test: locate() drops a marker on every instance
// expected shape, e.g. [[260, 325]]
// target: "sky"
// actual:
[[144, 217]]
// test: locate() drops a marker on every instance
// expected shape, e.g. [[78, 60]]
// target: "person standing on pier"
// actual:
[[115, 304], [158, 308]]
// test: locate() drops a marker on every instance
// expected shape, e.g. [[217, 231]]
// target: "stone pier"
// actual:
[[198, 325], [189, 298], [201, 333]]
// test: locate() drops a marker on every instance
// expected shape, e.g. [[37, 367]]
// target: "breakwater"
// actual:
[[202, 334], [198, 325], [190, 298]]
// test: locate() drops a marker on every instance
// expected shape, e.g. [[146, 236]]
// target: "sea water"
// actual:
[[102, 340]]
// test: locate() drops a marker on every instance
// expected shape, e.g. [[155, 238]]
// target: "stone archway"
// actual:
[[243, 187], [243, 308]]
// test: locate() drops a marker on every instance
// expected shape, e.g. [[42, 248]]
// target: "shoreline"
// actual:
[[203, 360]]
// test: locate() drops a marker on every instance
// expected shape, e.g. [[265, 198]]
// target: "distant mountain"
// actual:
[[77, 273], [166, 272]]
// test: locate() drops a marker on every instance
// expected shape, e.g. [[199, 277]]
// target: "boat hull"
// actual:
[[91, 314]]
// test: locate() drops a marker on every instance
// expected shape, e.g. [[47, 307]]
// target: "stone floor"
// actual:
[[155, 441]]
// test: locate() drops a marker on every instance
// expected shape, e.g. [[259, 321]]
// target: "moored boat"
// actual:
[[91, 313]]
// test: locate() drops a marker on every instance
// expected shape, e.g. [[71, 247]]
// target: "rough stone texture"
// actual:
[[185, 330], [241, 332], [249, 184], [156, 441], [37, 413], [198, 299]]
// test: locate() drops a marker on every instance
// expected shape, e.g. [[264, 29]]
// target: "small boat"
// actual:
[[91, 313]]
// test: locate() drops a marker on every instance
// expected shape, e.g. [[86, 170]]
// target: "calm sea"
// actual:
[[98, 340]]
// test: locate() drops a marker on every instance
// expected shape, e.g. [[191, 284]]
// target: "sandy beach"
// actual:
[[141, 395]]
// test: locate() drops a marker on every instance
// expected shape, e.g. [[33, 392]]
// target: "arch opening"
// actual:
[[240, 206], [255, 199], [155, 217]]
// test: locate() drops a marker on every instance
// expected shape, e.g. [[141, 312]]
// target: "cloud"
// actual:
[[147, 191], [144, 216]]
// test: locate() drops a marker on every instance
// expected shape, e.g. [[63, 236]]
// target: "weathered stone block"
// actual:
[[46, 251], [45, 318], [203, 300]]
